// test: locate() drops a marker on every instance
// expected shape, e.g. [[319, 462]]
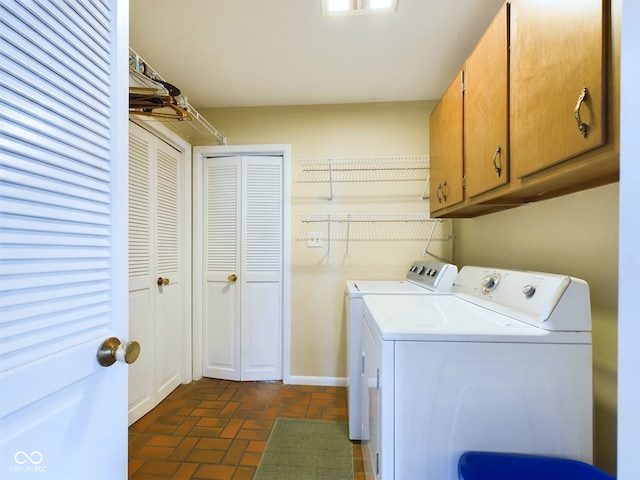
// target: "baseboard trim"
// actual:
[[318, 381]]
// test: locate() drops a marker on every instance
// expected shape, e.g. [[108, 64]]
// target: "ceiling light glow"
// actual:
[[377, 4], [357, 7], [339, 5]]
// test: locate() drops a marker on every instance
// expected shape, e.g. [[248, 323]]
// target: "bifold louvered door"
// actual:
[[63, 173], [155, 201], [243, 252]]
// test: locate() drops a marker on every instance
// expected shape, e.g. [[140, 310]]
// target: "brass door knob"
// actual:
[[163, 281], [113, 350], [232, 278]]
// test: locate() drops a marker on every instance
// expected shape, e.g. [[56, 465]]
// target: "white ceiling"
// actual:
[[284, 52]]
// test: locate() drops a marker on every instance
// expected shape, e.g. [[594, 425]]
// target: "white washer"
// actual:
[[503, 364], [423, 278]]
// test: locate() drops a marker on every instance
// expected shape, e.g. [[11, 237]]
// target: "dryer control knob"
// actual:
[[528, 290]]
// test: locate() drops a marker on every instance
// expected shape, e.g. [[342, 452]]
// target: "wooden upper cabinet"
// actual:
[[486, 109], [446, 148], [557, 77], [540, 113]]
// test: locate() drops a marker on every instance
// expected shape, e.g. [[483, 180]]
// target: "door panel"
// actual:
[[261, 310], [243, 231], [168, 318], [222, 349], [221, 231], [141, 383], [155, 218], [62, 238], [141, 311], [261, 331]]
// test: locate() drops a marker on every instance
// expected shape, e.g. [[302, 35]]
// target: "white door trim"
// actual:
[[198, 154]]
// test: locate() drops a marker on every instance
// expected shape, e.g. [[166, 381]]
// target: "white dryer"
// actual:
[[503, 364], [423, 278]]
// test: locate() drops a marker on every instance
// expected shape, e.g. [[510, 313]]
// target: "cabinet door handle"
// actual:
[[583, 127], [445, 190], [498, 168], [439, 192]]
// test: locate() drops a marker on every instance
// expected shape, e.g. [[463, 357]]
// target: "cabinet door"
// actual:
[[445, 148], [557, 53], [486, 109]]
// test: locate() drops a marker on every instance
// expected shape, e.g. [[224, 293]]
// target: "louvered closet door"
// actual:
[[261, 277], [155, 203], [243, 268], [168, 258], [141, 304], [63, 173]]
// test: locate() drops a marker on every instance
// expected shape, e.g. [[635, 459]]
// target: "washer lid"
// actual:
[[449, 318], [357, 288]]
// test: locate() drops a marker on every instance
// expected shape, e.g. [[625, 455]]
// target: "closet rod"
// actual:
[[192, 112]]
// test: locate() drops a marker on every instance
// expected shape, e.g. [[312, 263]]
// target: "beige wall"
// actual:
[[381, 251], [576, 234]]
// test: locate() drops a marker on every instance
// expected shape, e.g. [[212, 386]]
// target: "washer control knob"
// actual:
[[490, 282], [528, 290]]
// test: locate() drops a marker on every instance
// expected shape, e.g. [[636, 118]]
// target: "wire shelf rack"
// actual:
[[365, 169]]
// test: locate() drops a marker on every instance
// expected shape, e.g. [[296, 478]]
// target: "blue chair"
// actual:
[[512, 466]]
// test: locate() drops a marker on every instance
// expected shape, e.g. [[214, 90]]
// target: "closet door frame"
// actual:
[[199, 154], [166, 135]]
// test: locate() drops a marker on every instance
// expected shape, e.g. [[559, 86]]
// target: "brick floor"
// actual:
[[218, 429]]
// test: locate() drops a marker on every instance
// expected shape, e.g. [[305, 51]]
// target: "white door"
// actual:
[[63, 245], [243, 267], [141, 303], [156, 255]]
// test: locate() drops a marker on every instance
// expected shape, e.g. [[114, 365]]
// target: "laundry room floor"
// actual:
[[218, 429]]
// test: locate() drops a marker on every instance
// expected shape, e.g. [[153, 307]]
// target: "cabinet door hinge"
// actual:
[[377, 379], [464, 182]]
